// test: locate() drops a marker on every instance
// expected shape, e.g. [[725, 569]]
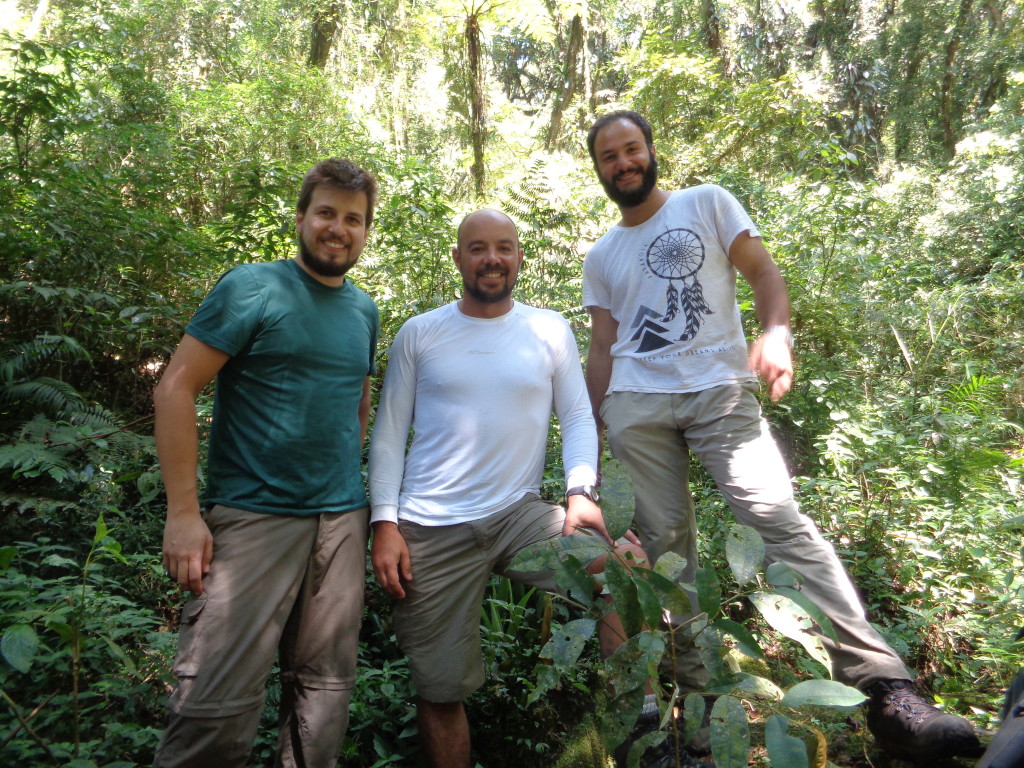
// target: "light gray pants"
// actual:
[[652, 435], [291, 586]]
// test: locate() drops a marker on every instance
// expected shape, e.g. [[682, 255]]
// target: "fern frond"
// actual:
[[38, 505], [56, 398], [16, 362], [977, 394], [31, 459]]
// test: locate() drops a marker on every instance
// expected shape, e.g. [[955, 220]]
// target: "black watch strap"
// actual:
[[590, 491]]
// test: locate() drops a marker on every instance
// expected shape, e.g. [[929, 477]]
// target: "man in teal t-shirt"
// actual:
[[275, 555]]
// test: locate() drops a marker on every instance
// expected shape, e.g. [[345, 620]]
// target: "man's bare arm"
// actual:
[[188, 546], [770, 356], [603, 331], [365, 403]]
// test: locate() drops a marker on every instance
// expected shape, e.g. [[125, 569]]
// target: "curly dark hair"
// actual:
[[340, 174]]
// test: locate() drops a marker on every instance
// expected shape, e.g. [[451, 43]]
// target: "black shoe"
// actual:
[[908, 727], [662, 755]]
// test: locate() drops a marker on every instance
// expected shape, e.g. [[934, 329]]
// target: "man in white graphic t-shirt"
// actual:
[[669, 372]]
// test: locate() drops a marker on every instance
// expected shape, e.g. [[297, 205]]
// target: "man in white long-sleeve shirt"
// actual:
[[476, 380]]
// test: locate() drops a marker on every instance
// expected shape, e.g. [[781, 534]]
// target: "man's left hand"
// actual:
[[581, 512], [772, 360]]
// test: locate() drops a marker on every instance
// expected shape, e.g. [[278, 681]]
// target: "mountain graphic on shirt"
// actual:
[[648, 331]]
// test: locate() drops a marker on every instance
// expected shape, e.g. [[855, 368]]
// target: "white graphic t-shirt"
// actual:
[[672, 289]]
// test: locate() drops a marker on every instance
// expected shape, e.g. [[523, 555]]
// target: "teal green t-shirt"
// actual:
[[285, 433]]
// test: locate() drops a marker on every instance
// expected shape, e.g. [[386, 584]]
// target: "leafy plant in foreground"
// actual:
[[641, 596], [68, 643]]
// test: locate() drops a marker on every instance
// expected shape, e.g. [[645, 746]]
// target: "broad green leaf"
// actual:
[[744, 549], [745, 641], [7, 555], [567, 643], [119, 652], [709, 591], [149, 486], [822, 693], [694, 707], [617, 500], [60, 561], [19, 645], [791, 620], [573, 579], [649, 603], [781, 575], [548, 555], [101, 530], [673, 597], [784, 750], [812, 609], [547, 679], [620, 716], [730, 733], [624, 597], [635, 661], [1012, 522], [65, 630], [713, 658], [671, 566], [759, 686], [641, 745]]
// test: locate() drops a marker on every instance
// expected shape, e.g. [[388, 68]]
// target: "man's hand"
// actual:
[[188, 550], [772, 360], [390, 557], [581, 512]]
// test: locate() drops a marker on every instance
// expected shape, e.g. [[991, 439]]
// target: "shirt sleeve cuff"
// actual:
[[580, 476], [384, 513]]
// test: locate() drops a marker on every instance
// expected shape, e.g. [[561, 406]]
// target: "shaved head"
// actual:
[[485, 216]]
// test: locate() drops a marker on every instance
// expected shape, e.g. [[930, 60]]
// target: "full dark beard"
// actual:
[[633, 198], [487, 298], [321, 266]]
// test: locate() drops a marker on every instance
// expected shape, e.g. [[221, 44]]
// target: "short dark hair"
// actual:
[[340, 174], [622, 114]]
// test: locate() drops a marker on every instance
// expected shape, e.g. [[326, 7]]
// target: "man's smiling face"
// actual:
[[626, 166], [332, 231], [488, 257]]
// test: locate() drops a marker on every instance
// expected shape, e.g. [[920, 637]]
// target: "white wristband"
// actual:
[[782, 331]]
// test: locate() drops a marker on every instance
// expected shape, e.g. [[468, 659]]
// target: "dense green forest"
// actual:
[[146, 147]]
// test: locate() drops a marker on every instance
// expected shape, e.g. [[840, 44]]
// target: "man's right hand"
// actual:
[[188, 550], [390, 557]]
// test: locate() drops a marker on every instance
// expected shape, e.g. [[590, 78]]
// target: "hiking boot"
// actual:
[[661, 755], [908, 727]]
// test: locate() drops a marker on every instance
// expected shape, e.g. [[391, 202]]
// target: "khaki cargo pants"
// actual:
[[653, 433], [290, 587]]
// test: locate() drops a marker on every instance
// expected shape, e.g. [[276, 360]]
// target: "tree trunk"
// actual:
[[949, 76], [477, 116], [570, 82], [324, 28]]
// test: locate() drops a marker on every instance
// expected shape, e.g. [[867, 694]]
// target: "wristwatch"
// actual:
[[781, 331], [590, 491]]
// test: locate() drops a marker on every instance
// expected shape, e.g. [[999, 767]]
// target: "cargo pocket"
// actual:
[[190, 639]]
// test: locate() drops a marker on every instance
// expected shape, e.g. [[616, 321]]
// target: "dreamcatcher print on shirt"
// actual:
[[677, 255]]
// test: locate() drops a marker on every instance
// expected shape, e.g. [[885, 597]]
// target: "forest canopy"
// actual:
[[147, 147]]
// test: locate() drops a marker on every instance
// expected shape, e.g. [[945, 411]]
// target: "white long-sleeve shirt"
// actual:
[[478, 394]]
